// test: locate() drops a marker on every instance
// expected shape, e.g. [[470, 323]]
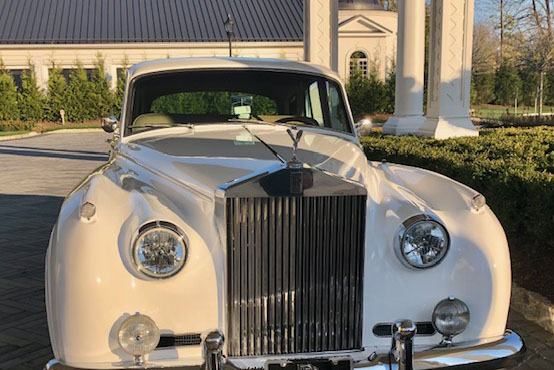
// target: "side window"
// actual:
[[314, 104], [336, 108]]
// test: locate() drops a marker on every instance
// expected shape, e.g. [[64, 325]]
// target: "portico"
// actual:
[[450, 49]]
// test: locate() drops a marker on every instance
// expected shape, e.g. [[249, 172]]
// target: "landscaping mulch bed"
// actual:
[[533, 266]]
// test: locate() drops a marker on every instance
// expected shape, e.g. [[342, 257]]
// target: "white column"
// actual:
[[450, 70], [410, 66], [321, 19], [41, 72]]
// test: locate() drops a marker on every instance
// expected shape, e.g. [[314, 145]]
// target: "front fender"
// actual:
[[92, 286], [476, 268]]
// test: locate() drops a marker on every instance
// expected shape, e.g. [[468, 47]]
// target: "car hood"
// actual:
[[207, 156]]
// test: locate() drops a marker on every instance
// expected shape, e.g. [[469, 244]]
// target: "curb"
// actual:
[[73, 130], [20, 136], [533, 307], [60, 131]]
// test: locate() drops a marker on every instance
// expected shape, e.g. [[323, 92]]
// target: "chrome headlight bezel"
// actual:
[[407, 226], [166, 227]]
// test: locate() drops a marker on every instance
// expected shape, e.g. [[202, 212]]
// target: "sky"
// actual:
[[482, 11]]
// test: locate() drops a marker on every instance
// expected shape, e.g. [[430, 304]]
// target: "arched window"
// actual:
[[359, 62]]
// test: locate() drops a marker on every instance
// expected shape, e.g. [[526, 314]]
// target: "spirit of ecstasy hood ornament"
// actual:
[[294, 162]]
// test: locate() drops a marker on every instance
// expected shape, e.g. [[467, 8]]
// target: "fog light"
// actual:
[[450, 318], [138, 336]]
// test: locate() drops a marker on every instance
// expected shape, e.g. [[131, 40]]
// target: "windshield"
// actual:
[[231, 96]]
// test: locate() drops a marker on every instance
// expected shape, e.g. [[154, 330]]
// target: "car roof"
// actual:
[[175, 64]]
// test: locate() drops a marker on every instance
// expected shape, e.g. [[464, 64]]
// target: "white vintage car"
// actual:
[[239, 225]]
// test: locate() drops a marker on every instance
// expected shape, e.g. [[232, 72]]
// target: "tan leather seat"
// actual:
[[142, 122]]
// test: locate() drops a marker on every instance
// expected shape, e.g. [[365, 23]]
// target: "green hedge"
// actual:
[[16, 126], [513, 168]]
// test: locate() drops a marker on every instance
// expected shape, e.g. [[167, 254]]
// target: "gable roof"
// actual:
[[361, 25], [122, 21]]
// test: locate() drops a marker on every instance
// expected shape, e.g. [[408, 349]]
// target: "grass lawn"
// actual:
[[496, 111], [10, 133]]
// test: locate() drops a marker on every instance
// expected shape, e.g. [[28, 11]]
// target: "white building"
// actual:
[[44, 32]]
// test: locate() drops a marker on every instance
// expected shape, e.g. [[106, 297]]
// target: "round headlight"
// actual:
[[422, 242], [451, 317], [138, 335], [160, 251]]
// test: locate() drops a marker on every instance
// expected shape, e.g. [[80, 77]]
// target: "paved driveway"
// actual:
[[35, 175]]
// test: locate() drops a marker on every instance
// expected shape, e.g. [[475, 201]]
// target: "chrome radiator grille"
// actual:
[[295, 268]]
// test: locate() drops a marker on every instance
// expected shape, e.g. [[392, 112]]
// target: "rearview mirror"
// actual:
[[109, 124]]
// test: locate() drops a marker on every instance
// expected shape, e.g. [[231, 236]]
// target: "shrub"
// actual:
[[102, 95], [8, 96], [30, 98], [509, 120], [119, 91], [366, 94], [16, 126], [80, 97], [513, 168], [55, 99]]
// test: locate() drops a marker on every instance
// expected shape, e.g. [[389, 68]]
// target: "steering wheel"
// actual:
[[301, 119]]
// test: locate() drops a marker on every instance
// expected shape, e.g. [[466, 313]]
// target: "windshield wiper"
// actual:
[[273, 151], [245, 120], [177, 124]]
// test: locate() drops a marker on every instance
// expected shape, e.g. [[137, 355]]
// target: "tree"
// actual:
[[366, 94], [80, 97], [506, 16], [482, 86], [390, 90], [506, 84], [8, 95], [55, 98], [549, 90], [30, 98], [391, 5], [539, 46], [120, 88], [102, 95], [485, 44], [528, 88]]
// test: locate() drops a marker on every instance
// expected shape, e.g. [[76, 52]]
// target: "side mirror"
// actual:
[[109, 124], [364, 127]]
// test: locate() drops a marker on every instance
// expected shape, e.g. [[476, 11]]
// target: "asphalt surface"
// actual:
[[35, 175]]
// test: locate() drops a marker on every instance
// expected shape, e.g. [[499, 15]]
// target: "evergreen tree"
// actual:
[[8, 95], [120, 89], [80, 97], [528, 87], [55, 99], [103, 97], [367, 95], [482, 88], [390, 91], [549, 90], [30, 98], [506, 83]]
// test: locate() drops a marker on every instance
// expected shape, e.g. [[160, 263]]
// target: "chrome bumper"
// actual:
[[506, 352]]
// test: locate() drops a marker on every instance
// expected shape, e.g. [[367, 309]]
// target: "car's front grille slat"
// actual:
[[295, 274]]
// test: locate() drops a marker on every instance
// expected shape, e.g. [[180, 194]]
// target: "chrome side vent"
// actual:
[[295, 274]]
